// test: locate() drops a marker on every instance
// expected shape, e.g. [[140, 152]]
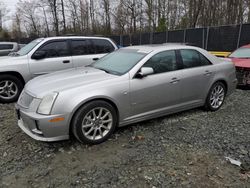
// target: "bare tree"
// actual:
[[42, 4], [125, 16], [3, 11], [54, 11], [120, 18], [63, 15], [16, 27], [106, 7], [84, 16], [92, 15], [27, 11]]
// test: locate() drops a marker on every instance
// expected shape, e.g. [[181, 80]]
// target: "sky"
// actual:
[[10, 4]]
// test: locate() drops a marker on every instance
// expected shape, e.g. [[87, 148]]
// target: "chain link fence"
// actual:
[[222, 38]]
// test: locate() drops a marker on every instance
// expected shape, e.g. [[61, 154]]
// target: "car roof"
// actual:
[[74, 37], [8, 43], [156, 47]]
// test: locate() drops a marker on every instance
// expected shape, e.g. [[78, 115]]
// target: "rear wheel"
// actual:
[[10, 88], [94, 122], [216, 97]]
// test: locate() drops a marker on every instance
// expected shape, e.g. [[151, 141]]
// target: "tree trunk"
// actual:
[[63, 15], [56, 18], [46, 22], [92, 15]]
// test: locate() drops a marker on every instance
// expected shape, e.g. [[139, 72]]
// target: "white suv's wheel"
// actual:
[[10, 88]]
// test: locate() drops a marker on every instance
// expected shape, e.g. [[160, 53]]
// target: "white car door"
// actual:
[[52, 56]]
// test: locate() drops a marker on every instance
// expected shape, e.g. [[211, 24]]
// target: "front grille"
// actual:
[[25, 100]]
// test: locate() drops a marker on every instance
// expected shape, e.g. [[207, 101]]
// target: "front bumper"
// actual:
[[40, 128], [243, 76]]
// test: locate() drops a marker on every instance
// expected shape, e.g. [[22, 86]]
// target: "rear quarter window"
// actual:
[[192, 58], [102, 46], [81, 47]]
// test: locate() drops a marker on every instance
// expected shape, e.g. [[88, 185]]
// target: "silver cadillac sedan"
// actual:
[[127, 86]]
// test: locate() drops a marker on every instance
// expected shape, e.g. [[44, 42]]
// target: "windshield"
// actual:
[[27, 48], [119, 62], [241, 53]]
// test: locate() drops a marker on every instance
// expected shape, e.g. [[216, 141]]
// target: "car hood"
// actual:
[[9, 60], [65, 80], [245, 63]]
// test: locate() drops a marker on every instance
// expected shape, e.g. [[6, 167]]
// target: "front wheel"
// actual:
[[10, 88], [216, 97], [94, 122]]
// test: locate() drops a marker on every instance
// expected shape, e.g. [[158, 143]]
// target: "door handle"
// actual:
[[207, 73], [66, 61], [96, 58], [174, 80]]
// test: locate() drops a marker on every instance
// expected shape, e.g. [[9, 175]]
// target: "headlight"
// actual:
[[46, 105]]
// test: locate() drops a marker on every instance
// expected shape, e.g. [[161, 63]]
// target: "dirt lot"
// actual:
[[182, 150]]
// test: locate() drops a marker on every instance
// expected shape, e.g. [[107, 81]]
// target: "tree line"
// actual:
[[34, 18]]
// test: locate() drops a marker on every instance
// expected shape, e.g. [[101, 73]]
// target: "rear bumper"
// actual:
[[40, 128]]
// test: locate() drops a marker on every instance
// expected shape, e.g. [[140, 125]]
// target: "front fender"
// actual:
[[117, 93]]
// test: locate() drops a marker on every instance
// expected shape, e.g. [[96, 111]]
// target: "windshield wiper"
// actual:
[[14, 54], [108, 71]]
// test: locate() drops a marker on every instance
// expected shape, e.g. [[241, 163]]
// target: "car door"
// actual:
[[159, 91], [86, 51], [82, 52], [197, 74], [56, 57]]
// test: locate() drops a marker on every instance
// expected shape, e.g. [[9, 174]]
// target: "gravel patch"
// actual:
[[187, 149]]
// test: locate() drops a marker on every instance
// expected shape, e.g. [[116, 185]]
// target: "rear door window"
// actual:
[[81, 47], [102, 46], [6, 46]]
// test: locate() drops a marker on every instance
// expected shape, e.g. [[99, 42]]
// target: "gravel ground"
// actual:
[[187, 149]]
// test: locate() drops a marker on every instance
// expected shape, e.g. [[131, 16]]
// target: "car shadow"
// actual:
[[243, 87]]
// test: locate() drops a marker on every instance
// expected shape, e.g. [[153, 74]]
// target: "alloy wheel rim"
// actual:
[[217, 96], [97, 123], [8, 89]]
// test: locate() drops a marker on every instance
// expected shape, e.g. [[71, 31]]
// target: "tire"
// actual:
[[99, 119], [10, 88], [216, 97]]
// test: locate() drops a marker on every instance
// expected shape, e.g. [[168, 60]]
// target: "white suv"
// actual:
[[46, 55]]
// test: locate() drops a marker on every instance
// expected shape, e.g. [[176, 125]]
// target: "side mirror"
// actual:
[[39, 55], [145, 71]]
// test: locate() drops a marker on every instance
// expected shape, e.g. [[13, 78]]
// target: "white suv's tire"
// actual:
[[10, 88]]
